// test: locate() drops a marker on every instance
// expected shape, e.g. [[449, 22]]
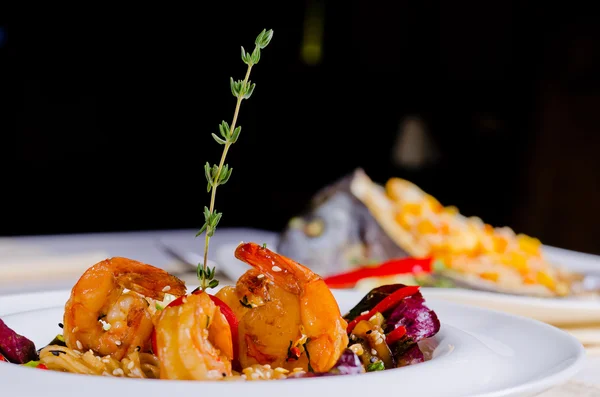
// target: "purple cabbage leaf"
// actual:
[[16, 348]]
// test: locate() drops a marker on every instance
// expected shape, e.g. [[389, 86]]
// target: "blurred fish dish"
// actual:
[[360, 234]]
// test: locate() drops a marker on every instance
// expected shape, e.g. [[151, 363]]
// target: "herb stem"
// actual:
[[219, 174], [213, 194]]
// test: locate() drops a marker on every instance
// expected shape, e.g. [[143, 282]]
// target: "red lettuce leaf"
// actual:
[[411, 313], [413, 355], [16, 348]]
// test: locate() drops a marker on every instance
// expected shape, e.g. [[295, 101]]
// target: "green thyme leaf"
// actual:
[[256, 55], [219, 140], [235, 134], [213, 283]]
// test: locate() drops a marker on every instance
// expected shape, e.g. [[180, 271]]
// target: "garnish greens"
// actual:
[[220, 174], [376, 366]]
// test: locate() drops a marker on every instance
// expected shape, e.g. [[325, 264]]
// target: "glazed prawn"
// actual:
[[101, 317], [193, 340], [287, 315]]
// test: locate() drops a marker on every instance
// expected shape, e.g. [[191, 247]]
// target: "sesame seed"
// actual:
[[365, 312], [373, 352], [281, 370], [118, 372], [254, 376], [184, 300], [105, 360], [298, 369], [167, 288], [276, 268], [244, 377], [118, 342], [266, 366], [260, 276], [79, 345], [372, 318], [130, 365], [353, 337], [379, 341], [75, 329]]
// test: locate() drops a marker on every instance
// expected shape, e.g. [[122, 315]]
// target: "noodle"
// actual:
[[134, 365]]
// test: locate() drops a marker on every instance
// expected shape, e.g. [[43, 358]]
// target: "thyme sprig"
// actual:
[[217, 175]]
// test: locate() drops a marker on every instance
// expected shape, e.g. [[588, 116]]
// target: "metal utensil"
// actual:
[[187, 258]]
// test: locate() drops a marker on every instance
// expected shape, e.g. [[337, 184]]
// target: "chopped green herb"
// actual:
[[310, 368], [245, 303], [376, 366], [32, 364]]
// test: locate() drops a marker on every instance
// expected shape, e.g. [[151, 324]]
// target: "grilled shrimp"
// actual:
[[193, 340], [101, 317], [288, 316]]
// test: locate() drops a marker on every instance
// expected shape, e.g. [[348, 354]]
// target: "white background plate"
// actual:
[[480, 353]]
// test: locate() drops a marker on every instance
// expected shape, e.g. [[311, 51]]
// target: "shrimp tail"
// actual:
[[287, 273]]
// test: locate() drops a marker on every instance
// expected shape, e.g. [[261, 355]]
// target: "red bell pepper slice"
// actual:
[[388, 268], [395, 335], [41, 366], [385, 304], [2, 358], [232, 320]]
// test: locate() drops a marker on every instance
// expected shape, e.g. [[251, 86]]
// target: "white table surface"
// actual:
[[143, 246]]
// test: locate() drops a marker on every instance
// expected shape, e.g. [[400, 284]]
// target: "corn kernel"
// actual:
[[518, 261], [492, 276], [529, 245], [546, 280], [500, 244], [426, 227], [412, 208]]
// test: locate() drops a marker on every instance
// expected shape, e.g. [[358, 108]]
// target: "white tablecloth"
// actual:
[[144, 246]]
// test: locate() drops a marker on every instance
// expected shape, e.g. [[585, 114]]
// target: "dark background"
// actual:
[[107, 111]]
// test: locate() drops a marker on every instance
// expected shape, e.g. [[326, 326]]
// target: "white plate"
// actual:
[[560, 312], [478, 353]]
